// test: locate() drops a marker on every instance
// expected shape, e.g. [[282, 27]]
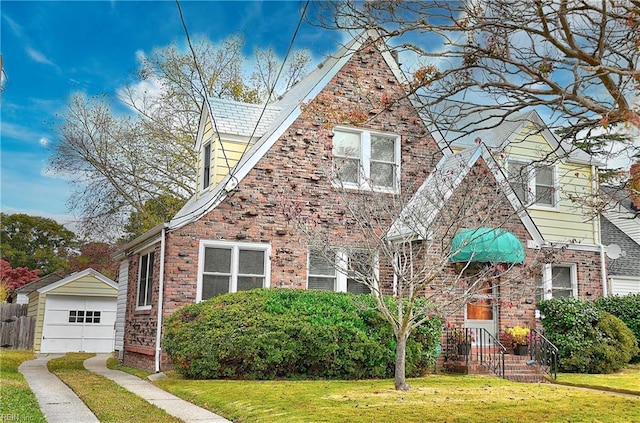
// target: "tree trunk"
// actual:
[[401, 355]]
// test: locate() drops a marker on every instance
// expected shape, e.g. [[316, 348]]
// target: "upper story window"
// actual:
[[206, 166], [558, 280], [366, 159], [533, 184], [340, 273], [231, 267], [145, 280]]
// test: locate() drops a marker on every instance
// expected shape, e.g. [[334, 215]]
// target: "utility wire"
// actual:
[[201, 78], [201, 209]]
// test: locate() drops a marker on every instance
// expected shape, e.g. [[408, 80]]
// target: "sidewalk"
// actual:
[[173, 405], [58, 403]]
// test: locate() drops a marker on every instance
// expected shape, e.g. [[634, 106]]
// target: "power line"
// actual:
[[219, 194]]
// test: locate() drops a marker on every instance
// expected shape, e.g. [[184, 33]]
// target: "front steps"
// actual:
[[515, 368]]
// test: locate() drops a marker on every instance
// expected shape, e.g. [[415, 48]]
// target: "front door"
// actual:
[[482, 310]]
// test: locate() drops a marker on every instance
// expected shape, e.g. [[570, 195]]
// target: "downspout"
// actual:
[[160, 300], [597, 235]]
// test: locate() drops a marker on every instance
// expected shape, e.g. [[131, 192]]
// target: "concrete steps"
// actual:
[[515, 368]]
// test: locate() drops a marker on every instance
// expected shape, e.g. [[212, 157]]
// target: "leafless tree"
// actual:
[[575, 60], [121, 161], [406, 249]]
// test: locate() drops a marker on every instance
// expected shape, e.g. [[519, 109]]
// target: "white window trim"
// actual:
[[150, 282], [531, 183], [342, 260], [365, 160], [209, 144], [547, 278], [234, 247]]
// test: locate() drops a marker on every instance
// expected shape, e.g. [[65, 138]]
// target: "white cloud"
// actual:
[[39, 57], [19, 132], [15, 27]]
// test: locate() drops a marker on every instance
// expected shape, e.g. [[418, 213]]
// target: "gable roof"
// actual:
[[289, 106], [620, 212], [39, 283], [458, 124], [76, 276], [439, 187]]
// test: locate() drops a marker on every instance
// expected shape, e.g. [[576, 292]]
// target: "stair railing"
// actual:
[[463, 344], [543, 353]]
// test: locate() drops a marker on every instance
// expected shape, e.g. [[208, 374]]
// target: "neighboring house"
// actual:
[[21, 295], [73, 314], [237, 232], [621, 234]]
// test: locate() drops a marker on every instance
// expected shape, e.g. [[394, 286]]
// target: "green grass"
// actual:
[[114, 364], [109, 401], [441, 398], [17, 402], [627, 380]]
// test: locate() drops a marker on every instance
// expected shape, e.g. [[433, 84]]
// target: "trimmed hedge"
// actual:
[[286, 333], [627, 309], [589, 340]]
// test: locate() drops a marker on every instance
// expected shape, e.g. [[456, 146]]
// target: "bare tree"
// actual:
[[121, 163], [410, 251], [577, 60]]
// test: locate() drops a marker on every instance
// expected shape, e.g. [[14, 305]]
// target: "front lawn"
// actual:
[[109, 401], [435, 398], [626, 380], [17, 402]]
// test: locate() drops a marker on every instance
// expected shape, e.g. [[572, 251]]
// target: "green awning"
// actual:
[[486, 245]]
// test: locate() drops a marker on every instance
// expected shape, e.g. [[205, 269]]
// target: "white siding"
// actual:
[[621, 285], [123, 279]]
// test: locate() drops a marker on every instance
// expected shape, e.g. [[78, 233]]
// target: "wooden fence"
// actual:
[[16, 329]]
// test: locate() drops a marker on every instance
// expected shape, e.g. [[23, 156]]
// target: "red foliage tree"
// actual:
[[95, 255], [12, 279]]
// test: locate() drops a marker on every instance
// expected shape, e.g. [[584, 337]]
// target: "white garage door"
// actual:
[[83, 324]]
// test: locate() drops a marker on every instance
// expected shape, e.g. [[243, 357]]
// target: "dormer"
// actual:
[[227, 130]]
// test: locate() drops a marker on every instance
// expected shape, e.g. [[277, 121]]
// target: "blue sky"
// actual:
[[52, 48]]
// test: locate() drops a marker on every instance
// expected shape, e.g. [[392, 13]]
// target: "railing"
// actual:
[[543, 353], [463, 344]]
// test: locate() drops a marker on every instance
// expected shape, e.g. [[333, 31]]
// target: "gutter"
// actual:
[[160, 300], [597, 235]]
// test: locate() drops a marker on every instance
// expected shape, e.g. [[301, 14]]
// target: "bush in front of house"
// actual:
[[286, 333], [589, 340], [627, 309]]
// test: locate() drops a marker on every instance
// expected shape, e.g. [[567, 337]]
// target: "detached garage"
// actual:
[[75, 314]]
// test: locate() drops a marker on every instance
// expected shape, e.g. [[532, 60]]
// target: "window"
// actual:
[[544, 189], [231, 267], [518, 175], [81, 316], [557, 281], [534, 185], [206, 166], [325, 275], [366, 160], [145, 279]]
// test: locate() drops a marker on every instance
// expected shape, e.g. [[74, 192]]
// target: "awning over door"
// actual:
[[486, 245]]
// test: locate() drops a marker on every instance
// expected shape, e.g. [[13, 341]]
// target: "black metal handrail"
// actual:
[[543, 353], [475, 343]]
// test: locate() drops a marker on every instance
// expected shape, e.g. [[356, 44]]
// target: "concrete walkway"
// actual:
[[58, 402], [173, 405]]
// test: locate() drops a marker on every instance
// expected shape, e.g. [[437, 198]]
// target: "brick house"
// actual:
[[262, 168]]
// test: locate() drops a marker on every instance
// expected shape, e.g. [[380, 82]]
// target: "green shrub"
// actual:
[[627, 309], [588, 340], [285, 333]]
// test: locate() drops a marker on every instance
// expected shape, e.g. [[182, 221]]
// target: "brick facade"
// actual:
[[291, 182], [292, 175]]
